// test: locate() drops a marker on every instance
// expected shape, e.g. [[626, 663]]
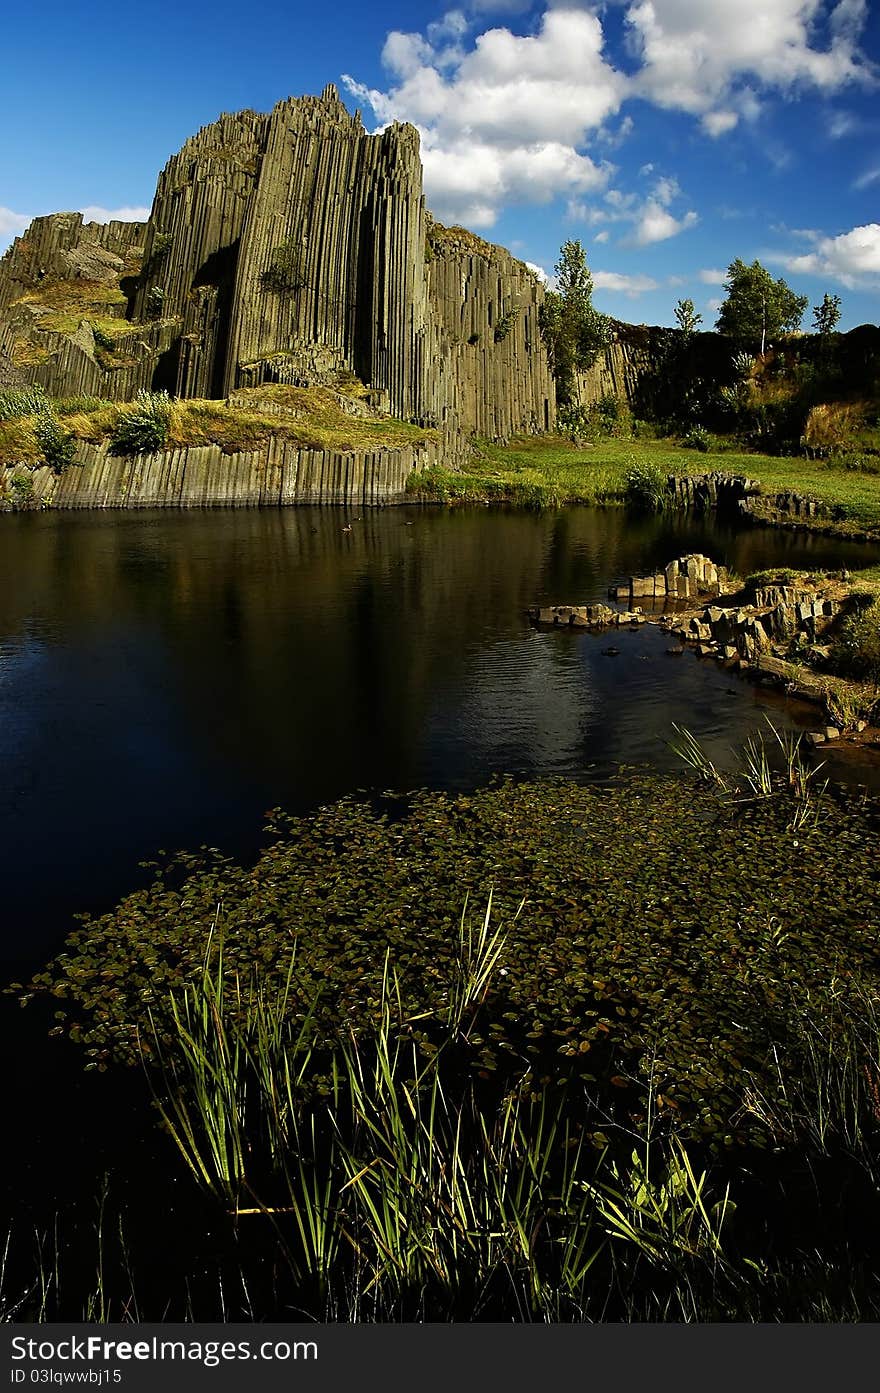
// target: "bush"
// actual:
[[57, 444], [284, 274], [74, 406], [697, 438], [155, 302], [22, 401], [646, 488], [22, 491], [102, 339], [144, 429], [608, 417], [857, 652], [158, 252], [505, 324]]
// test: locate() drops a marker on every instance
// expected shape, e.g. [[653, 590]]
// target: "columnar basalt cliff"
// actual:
[[292, 247], [279, 474]]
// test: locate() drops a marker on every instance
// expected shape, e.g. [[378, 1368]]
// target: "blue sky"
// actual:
[[669, 136]]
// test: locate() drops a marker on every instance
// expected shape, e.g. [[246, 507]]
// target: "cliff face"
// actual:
[[278, 474], [291, 247]]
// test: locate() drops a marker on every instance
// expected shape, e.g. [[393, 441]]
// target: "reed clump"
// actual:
[[408, 1187]]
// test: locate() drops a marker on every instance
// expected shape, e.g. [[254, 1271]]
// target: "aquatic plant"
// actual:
[[407, 1184]]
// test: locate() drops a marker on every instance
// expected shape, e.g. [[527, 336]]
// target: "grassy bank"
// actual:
[[550, 472]]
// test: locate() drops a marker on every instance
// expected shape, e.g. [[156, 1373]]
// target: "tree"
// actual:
[[757, 307], [826, 315], [574, 330], [686, 316]]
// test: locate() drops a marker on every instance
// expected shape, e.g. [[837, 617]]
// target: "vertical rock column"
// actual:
[[191, 248]]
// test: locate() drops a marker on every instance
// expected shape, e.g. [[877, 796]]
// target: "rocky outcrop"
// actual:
[[622, 370], [591, 617], [706, 492], [753, 631], [63, 247], [292, 247], [748, 631], [788, 509], [683, 579]]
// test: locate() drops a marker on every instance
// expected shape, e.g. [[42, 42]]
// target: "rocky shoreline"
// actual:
[[776, 634], [737, 493]]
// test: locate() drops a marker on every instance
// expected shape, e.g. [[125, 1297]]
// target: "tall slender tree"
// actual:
[[826, 315], [686, 317], [757, 307], [574, 330]]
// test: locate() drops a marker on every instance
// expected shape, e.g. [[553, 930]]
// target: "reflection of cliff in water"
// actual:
[[164, 679]]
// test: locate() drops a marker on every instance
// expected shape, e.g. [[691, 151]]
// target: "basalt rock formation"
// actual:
[[291, 247]]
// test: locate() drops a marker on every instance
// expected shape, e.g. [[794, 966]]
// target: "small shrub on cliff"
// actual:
[[144, 429], [155, 303], [58, 446], [22, 491], [284, 274], [505, 324], [159, 250], [22, 401], [103, 339]]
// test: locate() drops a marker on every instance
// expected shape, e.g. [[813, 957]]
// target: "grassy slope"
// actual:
[[553, 471], [312, 418]]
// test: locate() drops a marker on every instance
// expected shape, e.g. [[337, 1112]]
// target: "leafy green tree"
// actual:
[[574, 330], [826, 315], [686, 317], [757, 307]]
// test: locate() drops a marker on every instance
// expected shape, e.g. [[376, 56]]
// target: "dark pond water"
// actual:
[[166, 678]]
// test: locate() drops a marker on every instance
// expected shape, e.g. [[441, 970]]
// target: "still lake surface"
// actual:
[[167, 677]]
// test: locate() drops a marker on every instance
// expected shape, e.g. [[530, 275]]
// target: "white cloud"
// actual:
[[713, 275], [869, 177], [717, 123], [650, 217], [714, 305], [539, 272], [453, 26], [702, 56], [624, 285], [602, 236], [842, 123], [95, 213], [508, 116], [471, 181], [853, 258], [656, 224], [508, 119], [613, 138], [12, 223]]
